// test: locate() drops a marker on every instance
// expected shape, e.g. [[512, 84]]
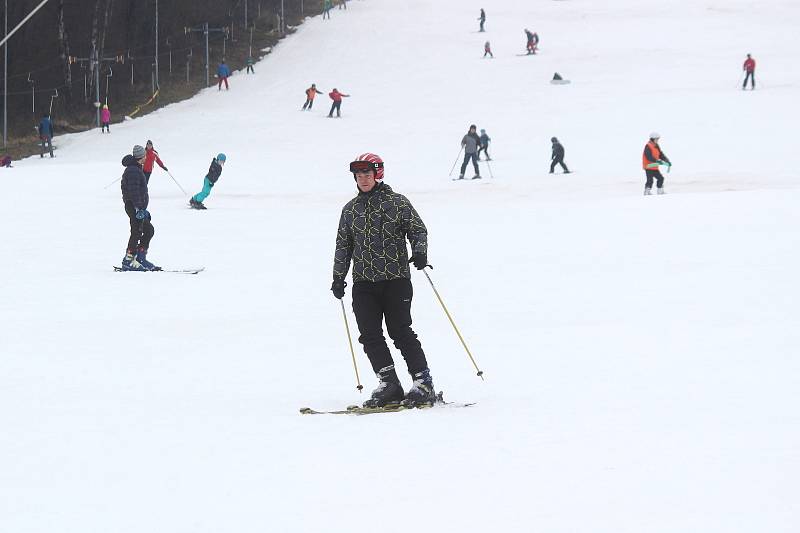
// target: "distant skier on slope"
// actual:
[[214, 172], [46, 134], [105, 119], [135, 198], [749, 67], [532, 41], [470, 143], [373, 229], [336, 96], [482, 18], [651, 159], [311, 93], [150, 160], [223, 72], [326, 9], [484, 145], [487, 49], [557, 157]]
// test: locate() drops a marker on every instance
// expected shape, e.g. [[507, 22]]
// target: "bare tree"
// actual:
[[63, 48], [106, 17]]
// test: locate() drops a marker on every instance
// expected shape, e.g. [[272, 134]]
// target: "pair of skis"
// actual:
[[390, 408], [172, 271]]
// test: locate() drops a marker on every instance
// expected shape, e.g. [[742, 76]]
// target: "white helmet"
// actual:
[[655, 135]]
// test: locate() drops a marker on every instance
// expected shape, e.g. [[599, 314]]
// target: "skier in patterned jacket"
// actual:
[[372, 232]]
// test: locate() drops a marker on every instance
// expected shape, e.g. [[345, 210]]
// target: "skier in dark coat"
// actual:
[[135, 198], [557, 158], [46, 134], [471, 143], [485, 139], [652, 158], [482, 18], [373, 229]]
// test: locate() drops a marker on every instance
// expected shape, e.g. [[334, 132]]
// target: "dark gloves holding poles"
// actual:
[[337, 288], [142, 214], [419, 260]]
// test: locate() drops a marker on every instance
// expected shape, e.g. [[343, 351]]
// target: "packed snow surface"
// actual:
[[640, 353]]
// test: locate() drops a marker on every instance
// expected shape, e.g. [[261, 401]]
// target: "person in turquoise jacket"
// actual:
[[214, 172]]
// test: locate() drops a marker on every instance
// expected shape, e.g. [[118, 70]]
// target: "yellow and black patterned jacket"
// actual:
[[372, 232]]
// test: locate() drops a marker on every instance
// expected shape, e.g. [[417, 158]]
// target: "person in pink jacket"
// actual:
[[336, 96], [105, 119]]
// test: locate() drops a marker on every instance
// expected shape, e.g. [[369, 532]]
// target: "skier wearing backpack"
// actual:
[[135, 198], [214, 172], [372, 232]]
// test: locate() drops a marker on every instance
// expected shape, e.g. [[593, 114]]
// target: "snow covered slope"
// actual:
[[639, 353]]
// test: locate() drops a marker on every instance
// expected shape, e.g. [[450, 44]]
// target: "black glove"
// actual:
[[166, 169], [337, 288], [420, 261]]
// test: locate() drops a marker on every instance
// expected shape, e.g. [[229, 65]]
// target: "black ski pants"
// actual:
[[485, 150], [372, 302], [558, 161], [467, 157], [653, 174], [752, 77], [141, 231], [337, 106], [309, 104]]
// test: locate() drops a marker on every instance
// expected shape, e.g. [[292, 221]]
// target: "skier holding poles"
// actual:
[[372, 232], [150, 159]]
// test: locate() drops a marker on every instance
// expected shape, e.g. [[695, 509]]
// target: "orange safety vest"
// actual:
[[311, 93], [655, 151]]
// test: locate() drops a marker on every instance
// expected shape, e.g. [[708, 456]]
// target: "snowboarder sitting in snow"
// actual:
[[557, 158], [136, 198], [484, 145], [336, 96], [150, 159], [487, 49], [651, 159], [470, 143], [214, 172], [311, 93], [373, 228]]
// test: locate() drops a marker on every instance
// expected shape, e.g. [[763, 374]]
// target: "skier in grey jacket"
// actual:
[[471, 143]]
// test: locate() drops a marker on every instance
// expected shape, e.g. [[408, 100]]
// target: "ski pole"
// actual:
[[455, 162], [490, 169], [176, 183], [480, 372], [350, 342], [112, 183]]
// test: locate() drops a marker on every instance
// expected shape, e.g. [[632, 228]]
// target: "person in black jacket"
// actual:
[[214, 172], [136, 198], [372, 232], [557, 158]]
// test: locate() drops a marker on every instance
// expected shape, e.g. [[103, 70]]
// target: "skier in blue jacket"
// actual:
[[222, 73], [214, 172], [46, 134]]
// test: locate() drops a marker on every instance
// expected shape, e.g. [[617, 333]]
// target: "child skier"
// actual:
[[150, 159], [105, 118], [135, 198], [487, 49], [214, 172], [484, 145], [311, 93], [336, 96]]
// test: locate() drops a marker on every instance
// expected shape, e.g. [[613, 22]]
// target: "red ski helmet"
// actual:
[[368, 161]]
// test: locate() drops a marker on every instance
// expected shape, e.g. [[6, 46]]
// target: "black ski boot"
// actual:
[[421, 392], [389, 390]]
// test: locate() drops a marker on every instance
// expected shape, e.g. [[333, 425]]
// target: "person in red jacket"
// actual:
[[652, 158], [750, 68], [336, 96], [151, 157]]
